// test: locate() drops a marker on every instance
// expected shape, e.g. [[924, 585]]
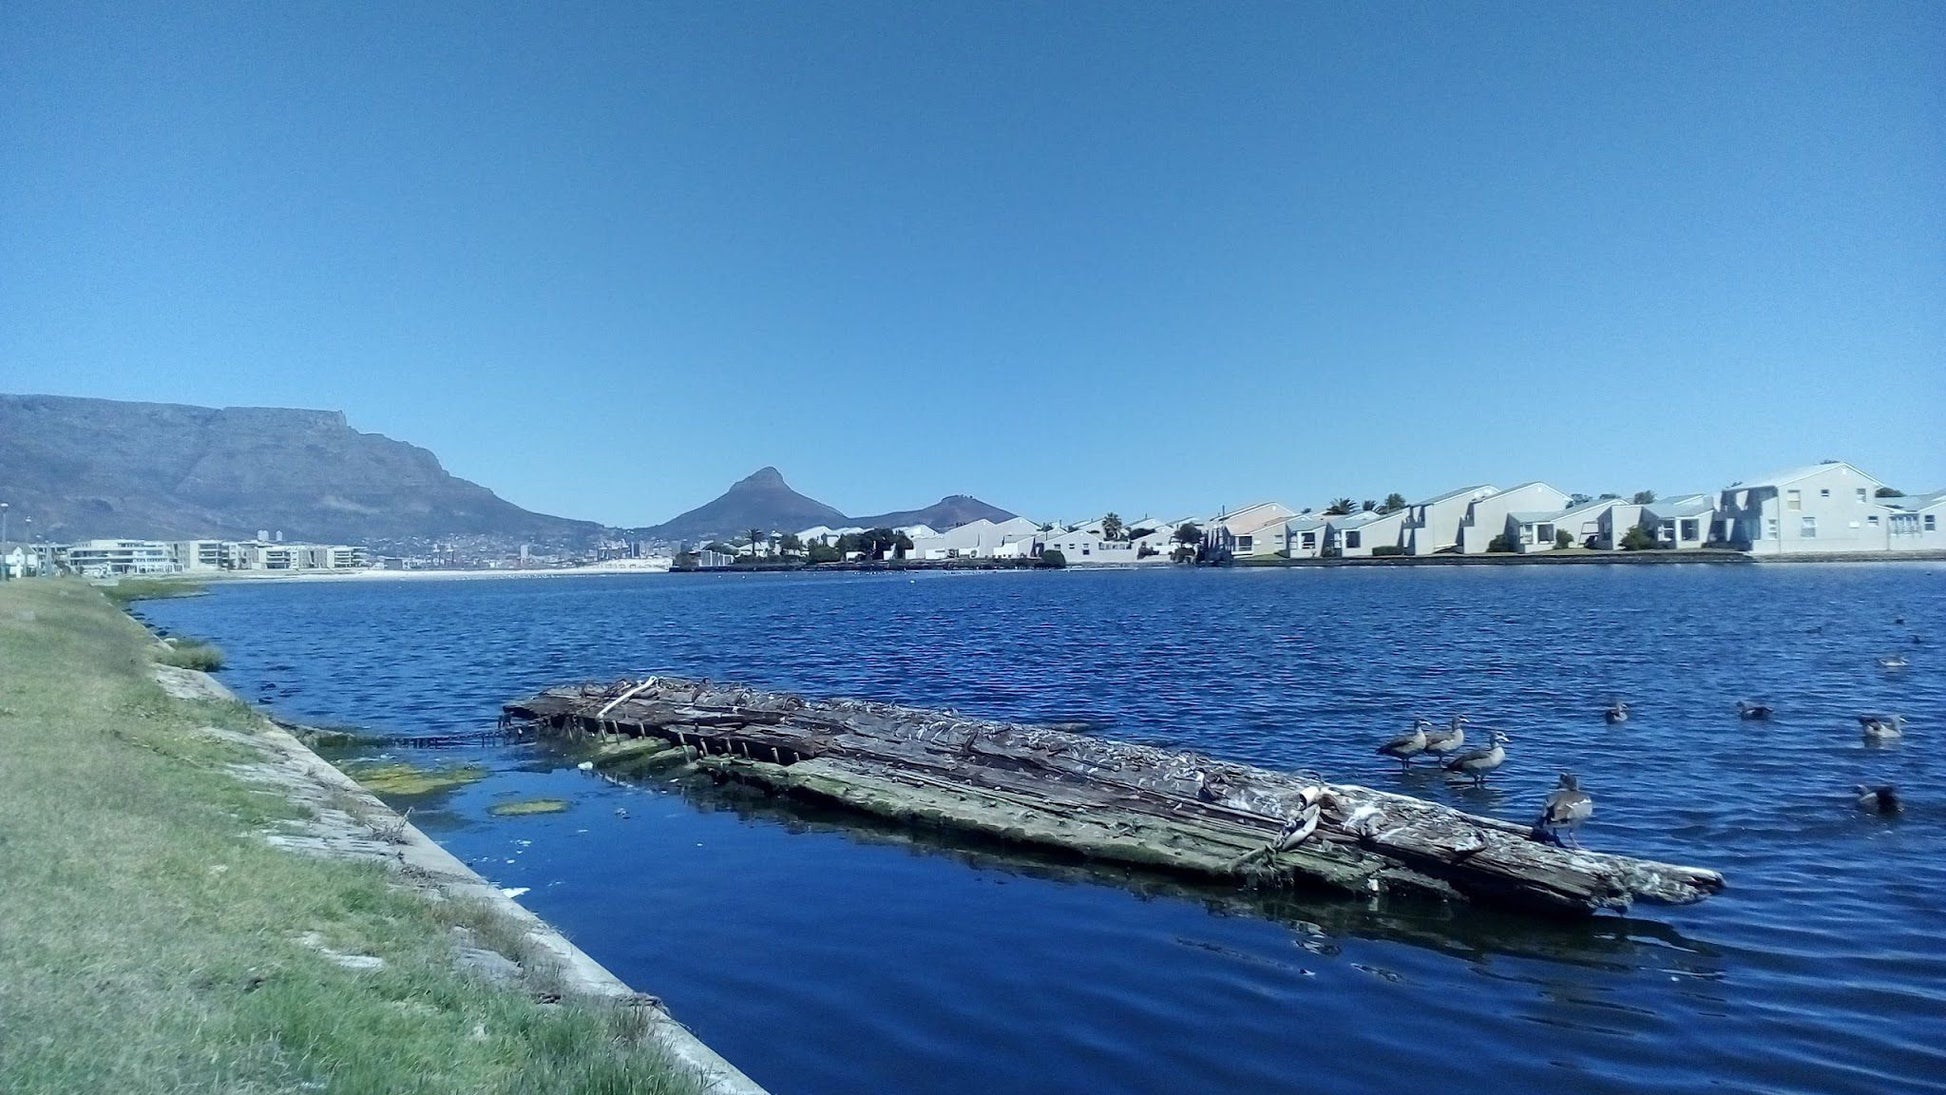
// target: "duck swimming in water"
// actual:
[[1752, 710], [1878, 729], [1883, 799], [1567, 807], [1617, 712]]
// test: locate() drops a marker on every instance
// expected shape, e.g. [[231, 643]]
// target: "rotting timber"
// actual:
[[1105, 800]]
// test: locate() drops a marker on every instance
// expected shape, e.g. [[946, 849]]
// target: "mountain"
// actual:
[[764, 501], [86, 468], [761, 501], [954, 509]]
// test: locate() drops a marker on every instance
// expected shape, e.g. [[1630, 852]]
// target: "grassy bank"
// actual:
[[154, 942]]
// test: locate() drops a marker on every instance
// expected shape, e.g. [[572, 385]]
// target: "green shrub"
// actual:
[[1053, 558], [150, 589], [1501, 543], [1388, 549], [191, 654], [1563, 539], [1638, 539]]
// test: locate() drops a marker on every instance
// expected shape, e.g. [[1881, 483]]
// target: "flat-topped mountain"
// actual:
[[84, 468], [764, 501]]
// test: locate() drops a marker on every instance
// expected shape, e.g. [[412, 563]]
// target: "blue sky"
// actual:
[[1067, 257]]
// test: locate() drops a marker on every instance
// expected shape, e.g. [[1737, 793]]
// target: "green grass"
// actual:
[[151, 937], [191, 654]]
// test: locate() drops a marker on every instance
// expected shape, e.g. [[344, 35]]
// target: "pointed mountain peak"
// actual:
[[767, 477]]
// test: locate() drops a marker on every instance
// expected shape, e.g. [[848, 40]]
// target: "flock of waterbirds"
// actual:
[[1568, 806]]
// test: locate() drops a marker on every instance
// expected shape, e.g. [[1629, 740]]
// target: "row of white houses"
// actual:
[[1829, 508], [116, 558]]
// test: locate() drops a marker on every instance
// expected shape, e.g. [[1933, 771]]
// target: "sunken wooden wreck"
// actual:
[[1106, 800]]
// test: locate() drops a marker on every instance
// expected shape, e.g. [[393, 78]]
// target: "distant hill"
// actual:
[[954, 509], [764, 501], [85, 468], [761, 500]]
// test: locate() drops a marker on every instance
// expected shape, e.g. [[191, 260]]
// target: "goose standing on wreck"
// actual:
[[1617, 712], [1444, 743], [1567, 807], [1479, 761], [1407, 746]]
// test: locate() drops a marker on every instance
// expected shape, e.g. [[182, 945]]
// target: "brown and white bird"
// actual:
[[1567, 807], [1446, 742], [1408, 745], [1478, 762]]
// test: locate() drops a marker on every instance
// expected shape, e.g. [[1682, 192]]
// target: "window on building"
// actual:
[[1872, 520], [1244, 542], [1861, 493], [1310, 539], [1931, 523], [1793, 499], [1690, 530], [1809, 528], [1824, 492], [1351, 539], [1770, 528]]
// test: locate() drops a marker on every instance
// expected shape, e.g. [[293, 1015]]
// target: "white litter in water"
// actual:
[[586, 766], [514, 891], [523, 843]]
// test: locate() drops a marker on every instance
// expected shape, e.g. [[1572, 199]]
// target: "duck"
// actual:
[[1479, 761], [1752, 710], [1882, 728], [1444, 743], [1409, 745], [1617, 712], [1883, 799], [1893, 661], [1567, 807]]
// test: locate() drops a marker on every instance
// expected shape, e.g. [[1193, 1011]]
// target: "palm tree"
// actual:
[[1393, 503], [1368, 505], [1338, 507], [1111, 527], [756, 534]]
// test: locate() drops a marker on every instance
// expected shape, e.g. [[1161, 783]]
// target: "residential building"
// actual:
[[1082, 548], [1434, 524], [1160, 542], [110, 558], [1486, 517], [1829, 507], [1304, 536], [195, 555], [1681, 523], [1913, 523], [1355, 535], [1252, 530], [976, 539]]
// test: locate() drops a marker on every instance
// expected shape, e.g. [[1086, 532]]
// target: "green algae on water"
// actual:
[[402, 778], [528, 806]]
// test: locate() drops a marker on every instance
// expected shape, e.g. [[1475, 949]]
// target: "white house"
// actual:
[[1082, 548], [106, 558], [1681, 523], [976, 539], [1161, 542], [1912, 523], [1830, 507], [1354, 535], [1304, 536], [1238, 533], [1486, 518], [1433, 525]]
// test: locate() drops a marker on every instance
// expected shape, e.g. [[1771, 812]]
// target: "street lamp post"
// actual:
[[6, 570]]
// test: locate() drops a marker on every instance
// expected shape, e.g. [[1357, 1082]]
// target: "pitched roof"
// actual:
[[1792, 475], [1686, 505], [1451, 494]]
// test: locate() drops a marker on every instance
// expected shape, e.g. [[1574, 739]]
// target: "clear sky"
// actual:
[[1068, 257]]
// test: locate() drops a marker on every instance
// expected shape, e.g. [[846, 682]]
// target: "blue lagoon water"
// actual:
[[823, 957]]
